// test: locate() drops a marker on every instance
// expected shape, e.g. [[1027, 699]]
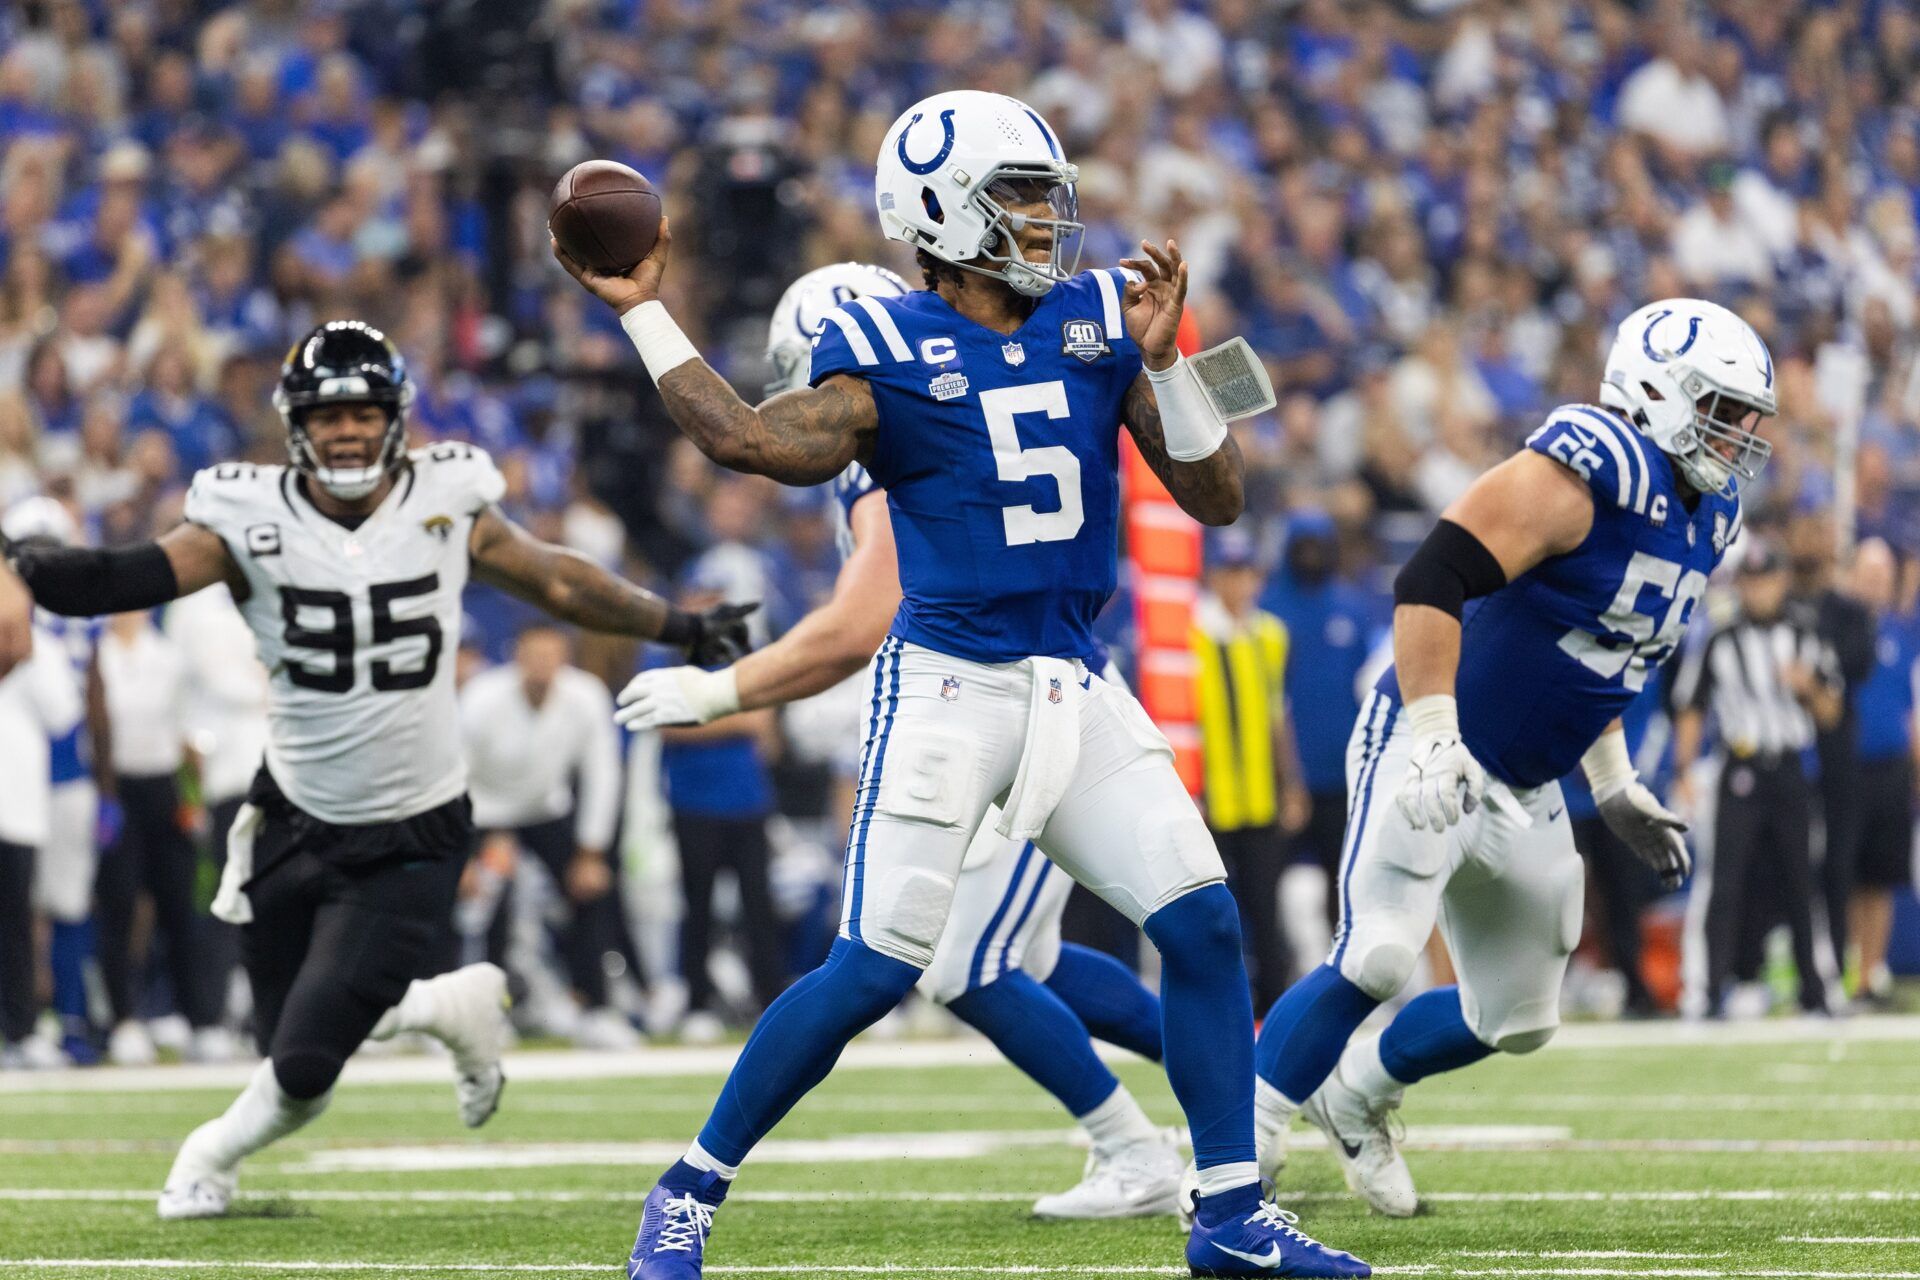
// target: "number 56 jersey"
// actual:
[[357, 628], [999, 454], [1550, 659]]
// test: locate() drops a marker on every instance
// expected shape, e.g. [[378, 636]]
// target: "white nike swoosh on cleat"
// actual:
[[1271, 1258]]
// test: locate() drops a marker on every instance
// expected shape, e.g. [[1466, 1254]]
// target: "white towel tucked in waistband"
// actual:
[[230, 904], [1052, 751]]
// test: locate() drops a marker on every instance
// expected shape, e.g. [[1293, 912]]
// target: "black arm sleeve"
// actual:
[[83, 582], [1450, 568]]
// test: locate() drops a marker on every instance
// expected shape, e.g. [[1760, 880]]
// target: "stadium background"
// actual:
[[1427, 218]]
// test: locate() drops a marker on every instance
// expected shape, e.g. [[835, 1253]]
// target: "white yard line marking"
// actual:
[[891, 1268], [847, 1148], [655, 1062], [638, 1194], [1614, 1104], [1593, 1254], [1849, 1239]]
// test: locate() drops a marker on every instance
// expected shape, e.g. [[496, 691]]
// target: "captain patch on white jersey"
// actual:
[[357, 627]]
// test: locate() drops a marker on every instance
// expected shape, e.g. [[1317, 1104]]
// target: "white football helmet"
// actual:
[[803, 308], [950, 167], [1696, 379]]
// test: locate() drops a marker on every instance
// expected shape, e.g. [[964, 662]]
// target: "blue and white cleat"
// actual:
[[674, 1223], [1265, 1243]]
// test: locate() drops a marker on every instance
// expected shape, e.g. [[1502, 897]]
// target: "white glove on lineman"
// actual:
[[677, 696], [1656, 835], [1443, 780]]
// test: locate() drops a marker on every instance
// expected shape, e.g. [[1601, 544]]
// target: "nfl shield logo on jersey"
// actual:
[[1015, 353], [1083, 338], [1054, 692], [950, 688]]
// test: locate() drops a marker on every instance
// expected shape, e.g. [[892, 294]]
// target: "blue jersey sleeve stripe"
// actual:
[[1630, 441], [889, 331], [856, 336], [1110, 302]]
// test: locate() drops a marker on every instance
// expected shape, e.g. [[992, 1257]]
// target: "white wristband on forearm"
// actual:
[[710, 694], [662, 347], [1608, 767], [1435, 716], [1191, 428]]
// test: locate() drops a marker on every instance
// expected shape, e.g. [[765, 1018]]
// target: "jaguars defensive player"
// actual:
[[1001, 966], [1591, 547], [989, 409], [348, 564]]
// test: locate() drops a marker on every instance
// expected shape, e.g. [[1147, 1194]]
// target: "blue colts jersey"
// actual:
[[1549, 660], [999, 454]]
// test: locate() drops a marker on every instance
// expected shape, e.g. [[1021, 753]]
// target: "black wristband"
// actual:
[[83, 582], [1450, 568], [680, 627]]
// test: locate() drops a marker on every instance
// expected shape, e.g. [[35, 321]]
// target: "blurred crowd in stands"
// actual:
[[1426, 216]]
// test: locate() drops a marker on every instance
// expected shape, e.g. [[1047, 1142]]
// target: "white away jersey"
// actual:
[[357, 628]]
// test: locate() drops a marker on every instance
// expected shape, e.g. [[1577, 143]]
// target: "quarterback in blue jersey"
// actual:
[[1591, 547], [988, 407], [1001, 965]]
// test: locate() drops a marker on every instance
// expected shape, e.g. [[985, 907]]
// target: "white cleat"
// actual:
[[1140, 1180], [1363, 1140], [207, 1196], [131, 1046], [195, 1188], [470, 1018]]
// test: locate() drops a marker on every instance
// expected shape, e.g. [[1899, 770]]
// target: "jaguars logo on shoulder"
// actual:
[[1084, 339], [440, 527]]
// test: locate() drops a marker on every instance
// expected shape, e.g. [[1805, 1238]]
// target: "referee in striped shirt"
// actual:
[[1770, 683]]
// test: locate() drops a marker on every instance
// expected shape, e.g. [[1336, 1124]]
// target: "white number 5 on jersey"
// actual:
[[1014, 464]]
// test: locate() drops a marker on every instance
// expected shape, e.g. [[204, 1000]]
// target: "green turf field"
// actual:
[[1664, 1159]]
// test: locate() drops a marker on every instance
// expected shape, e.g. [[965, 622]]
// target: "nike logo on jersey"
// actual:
[[1271, 1258], [1351, 1148], [1555, 815]]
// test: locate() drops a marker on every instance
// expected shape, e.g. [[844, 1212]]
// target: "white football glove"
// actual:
[[669, 696], [1443, 780], [1656, 835]]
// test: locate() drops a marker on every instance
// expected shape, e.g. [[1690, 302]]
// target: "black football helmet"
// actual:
[[344, 362]]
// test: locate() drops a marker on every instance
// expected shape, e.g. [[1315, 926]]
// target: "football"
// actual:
[[605, 215]]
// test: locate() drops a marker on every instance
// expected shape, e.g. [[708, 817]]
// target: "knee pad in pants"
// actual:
[[1380, 952]]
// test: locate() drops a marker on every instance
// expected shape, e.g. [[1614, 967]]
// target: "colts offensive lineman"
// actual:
[[989, 409], [1000, 966], [349, 564], [1592, 547]]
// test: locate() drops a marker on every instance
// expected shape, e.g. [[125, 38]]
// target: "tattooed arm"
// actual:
[[804, 436], [1209, 490]]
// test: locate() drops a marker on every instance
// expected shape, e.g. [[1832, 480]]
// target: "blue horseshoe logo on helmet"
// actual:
[[940, 156], [1646, 339]]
